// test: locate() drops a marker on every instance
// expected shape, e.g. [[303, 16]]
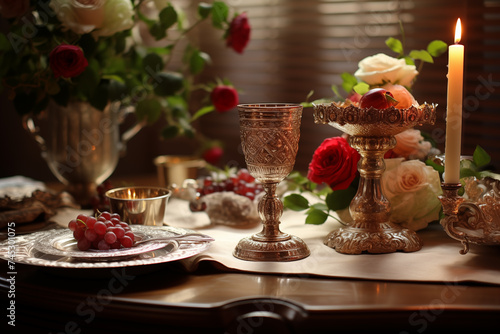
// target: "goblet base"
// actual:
[[375, 238], [289, 248]]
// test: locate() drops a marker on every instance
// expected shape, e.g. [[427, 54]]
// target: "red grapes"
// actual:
[[241, 183], [103, 232]]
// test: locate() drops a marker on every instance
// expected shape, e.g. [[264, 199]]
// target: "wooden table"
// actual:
[[169, 300]]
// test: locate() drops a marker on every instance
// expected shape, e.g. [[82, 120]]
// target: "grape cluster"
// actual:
[[242, 183], [99, 202], [103, 232]]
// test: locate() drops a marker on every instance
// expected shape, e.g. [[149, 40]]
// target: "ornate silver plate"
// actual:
[[62, 243], [27, 253]]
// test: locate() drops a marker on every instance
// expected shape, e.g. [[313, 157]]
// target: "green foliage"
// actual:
[[329, 201]]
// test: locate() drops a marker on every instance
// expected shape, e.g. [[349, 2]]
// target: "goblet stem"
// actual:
[[270, 211]]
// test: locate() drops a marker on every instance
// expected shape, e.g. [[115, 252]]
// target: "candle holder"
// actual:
[[474, 217], [372, 133]]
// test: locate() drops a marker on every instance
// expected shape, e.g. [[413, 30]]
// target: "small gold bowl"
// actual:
[[140, 205]]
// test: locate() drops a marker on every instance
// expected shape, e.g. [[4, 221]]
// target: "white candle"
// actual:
[[454, 109]]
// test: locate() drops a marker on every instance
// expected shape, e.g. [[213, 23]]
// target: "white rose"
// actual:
[[413, 189], [80, 16], [119, 16], [411, 145], [381, 69], [103, 18]]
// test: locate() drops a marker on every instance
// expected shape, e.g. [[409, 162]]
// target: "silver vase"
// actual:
[[81, 144]]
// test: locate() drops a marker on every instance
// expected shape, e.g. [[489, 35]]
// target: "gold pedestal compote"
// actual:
[[372, 133], [270, 139]]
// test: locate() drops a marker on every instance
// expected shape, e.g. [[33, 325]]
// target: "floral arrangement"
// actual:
[[411, 185], [115, 50]]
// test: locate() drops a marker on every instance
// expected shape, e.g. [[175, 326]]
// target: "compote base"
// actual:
[[373, 237]]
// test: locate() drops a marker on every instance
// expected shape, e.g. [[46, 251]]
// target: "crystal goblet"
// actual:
[[372, 133], [270, 138]]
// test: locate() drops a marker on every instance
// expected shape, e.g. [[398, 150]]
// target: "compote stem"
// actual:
[[370, 204], [270, 211]]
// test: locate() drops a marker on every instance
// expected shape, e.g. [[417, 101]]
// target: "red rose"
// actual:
[[213, 155], [239, 33], [67, 61], [335, 163], [224, 98], [13, 8]]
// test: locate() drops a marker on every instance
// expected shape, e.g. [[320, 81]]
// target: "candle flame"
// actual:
[[458, 31], [131, 194]]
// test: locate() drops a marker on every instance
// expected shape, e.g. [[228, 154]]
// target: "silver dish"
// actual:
[[62, 243], [27, 253]]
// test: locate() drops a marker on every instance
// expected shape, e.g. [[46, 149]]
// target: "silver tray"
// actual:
[[27, 253], [62, 243]]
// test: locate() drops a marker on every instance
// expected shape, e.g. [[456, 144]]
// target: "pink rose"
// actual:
[[411, 145], [224, 98], [67, 61], [335, 163], [13, 8], [238, 33]]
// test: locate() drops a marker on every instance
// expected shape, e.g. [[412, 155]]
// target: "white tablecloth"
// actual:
[[438, 260]]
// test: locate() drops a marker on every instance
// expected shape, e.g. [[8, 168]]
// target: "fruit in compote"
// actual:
[[402, 95], [104, 232], [378, 98]]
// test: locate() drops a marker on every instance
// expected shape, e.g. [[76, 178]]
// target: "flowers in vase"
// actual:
[[139, 52]]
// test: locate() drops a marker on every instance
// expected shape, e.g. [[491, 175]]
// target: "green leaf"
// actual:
[[437, 48], [466, 172], [168, 17], [220, 11], [320, 206], [157, 31], [202, 111], [480, 157], [340, 199], [409, 60], [421, 55], [296, 202], [197, 61], [316, 217], [348, 81], [148, 109], [166, 84], [170, 132], [438, 167], [153, 63], [361, 88], [204, 9], [395, 45]]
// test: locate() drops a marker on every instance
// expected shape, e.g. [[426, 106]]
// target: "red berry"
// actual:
[[100, 228], [91, 222], [126, 242], [110, 237], [79, 233], [73, 225], [378, 98], [106, 215], [119, 232], [103, 245], [83, 244], [90, 234]]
